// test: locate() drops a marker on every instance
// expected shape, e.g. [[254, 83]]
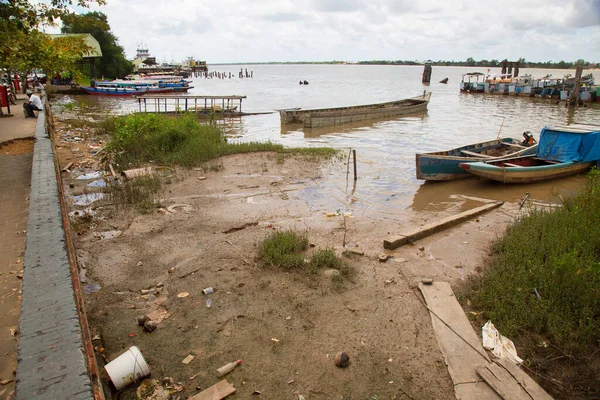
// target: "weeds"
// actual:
[[544, 275], [142, 192], [141, 138], [286, 250]]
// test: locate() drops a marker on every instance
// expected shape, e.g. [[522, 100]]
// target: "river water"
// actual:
[[386, 185]]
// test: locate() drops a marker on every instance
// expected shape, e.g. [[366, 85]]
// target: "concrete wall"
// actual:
[[51, 358]]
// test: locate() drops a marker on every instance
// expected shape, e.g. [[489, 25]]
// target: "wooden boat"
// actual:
[[525, 169], [125, 88], [340, 115], [444, 165], [562, 151]]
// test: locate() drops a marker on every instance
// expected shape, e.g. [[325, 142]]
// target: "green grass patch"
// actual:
[[140, 138], [287, 249], [544, 274]]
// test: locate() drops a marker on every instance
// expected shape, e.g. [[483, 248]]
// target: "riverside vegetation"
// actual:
[[141, 139], [542, 289]]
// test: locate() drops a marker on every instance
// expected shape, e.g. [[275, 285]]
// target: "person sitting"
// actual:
[[34, 104]]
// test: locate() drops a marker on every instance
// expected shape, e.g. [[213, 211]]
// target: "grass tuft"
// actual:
[[142, 192], [284, 249]]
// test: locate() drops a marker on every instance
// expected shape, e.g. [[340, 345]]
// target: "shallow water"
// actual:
[[386, 184]]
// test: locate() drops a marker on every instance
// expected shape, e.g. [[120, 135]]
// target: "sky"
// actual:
[[353, 30]]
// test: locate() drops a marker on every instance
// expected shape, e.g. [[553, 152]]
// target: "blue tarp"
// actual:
[[564, 146]]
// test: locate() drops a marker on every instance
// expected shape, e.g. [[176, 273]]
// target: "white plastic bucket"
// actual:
[[129, 367]]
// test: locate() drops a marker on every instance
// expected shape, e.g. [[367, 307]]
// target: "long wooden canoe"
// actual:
[[525, 169], [314, 118], [444, 165]]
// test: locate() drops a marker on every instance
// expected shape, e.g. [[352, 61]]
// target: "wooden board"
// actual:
[[502, 382], [531, 387], [472, 153], [461, 356], [215, 392]]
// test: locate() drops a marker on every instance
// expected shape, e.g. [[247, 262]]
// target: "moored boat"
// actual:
[[444, 165], [562, 151], [313, 118], [124, 88]]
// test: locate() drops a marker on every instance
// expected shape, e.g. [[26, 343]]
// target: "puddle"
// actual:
[[91, 288], [90, 175], [98, 183], [87, 199]]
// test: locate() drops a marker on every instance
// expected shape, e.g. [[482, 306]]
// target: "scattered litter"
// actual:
[[134, 173], [128, 368], [87, 199], [90, 175], [82, 213], [142, 319], [227, 368], [91, 287], [300, 397], [191, 378], [427, 281], [183, 294], [291, 381], [383, 257], [390, 281], [208, 290], [288, 317], [188, 359], [501, 346], [256, 393], [150, 326], [150, 389], [208, 303], [186, 208], [218, 391], [6, 381], [132, 334], [330, 273], [201, 178], [422, 248], [390, 360], [107, 235], [465, 242], [537, 294], [13, 332], [342, 359], [275, 340]]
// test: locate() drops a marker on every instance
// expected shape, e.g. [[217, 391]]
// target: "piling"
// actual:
[[427, 73], [354, 162], [574, 96]]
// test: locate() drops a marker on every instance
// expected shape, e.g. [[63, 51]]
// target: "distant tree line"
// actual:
[[470, 62]]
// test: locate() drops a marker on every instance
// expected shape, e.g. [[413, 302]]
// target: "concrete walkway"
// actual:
[[15, 178], [17, 126]]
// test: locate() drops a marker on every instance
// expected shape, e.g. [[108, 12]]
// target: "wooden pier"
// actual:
[[169, 104]]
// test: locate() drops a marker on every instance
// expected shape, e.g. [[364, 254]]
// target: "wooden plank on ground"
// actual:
[[429, 229], [526, 382], [215, 392], [502, 382], [460, 346]]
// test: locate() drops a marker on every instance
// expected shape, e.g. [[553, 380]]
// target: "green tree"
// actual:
[[470, 62], [113, 63]]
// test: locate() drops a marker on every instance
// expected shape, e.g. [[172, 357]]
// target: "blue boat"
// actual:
[[562, 151], [444, 165], [124, 88]]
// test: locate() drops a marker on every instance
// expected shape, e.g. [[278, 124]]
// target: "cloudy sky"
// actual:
[[352, 30]]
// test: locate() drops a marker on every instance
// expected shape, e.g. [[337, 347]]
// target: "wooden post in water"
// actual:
[[427, 73], [574, 95], [354, 162]]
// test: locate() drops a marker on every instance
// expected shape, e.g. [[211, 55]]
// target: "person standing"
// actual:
[[34, 104]]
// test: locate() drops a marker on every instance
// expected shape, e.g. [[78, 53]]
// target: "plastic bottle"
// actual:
[[227, 368]]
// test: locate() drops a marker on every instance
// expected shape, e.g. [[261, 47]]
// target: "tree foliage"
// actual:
[[113, 63]]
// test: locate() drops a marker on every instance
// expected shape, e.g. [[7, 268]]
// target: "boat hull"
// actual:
[[444, 165], [525, 174], [341, 115]]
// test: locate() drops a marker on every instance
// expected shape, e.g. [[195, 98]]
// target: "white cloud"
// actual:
[[316, 30]]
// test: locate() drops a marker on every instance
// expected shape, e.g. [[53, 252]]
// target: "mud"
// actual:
[[287, 326]]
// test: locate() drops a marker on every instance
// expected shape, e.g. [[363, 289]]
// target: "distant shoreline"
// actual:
[[540, 65]]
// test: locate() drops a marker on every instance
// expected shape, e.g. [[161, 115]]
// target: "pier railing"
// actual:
[[169, 104]]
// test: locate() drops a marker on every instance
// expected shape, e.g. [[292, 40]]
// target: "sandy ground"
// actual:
[[286, 326]]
